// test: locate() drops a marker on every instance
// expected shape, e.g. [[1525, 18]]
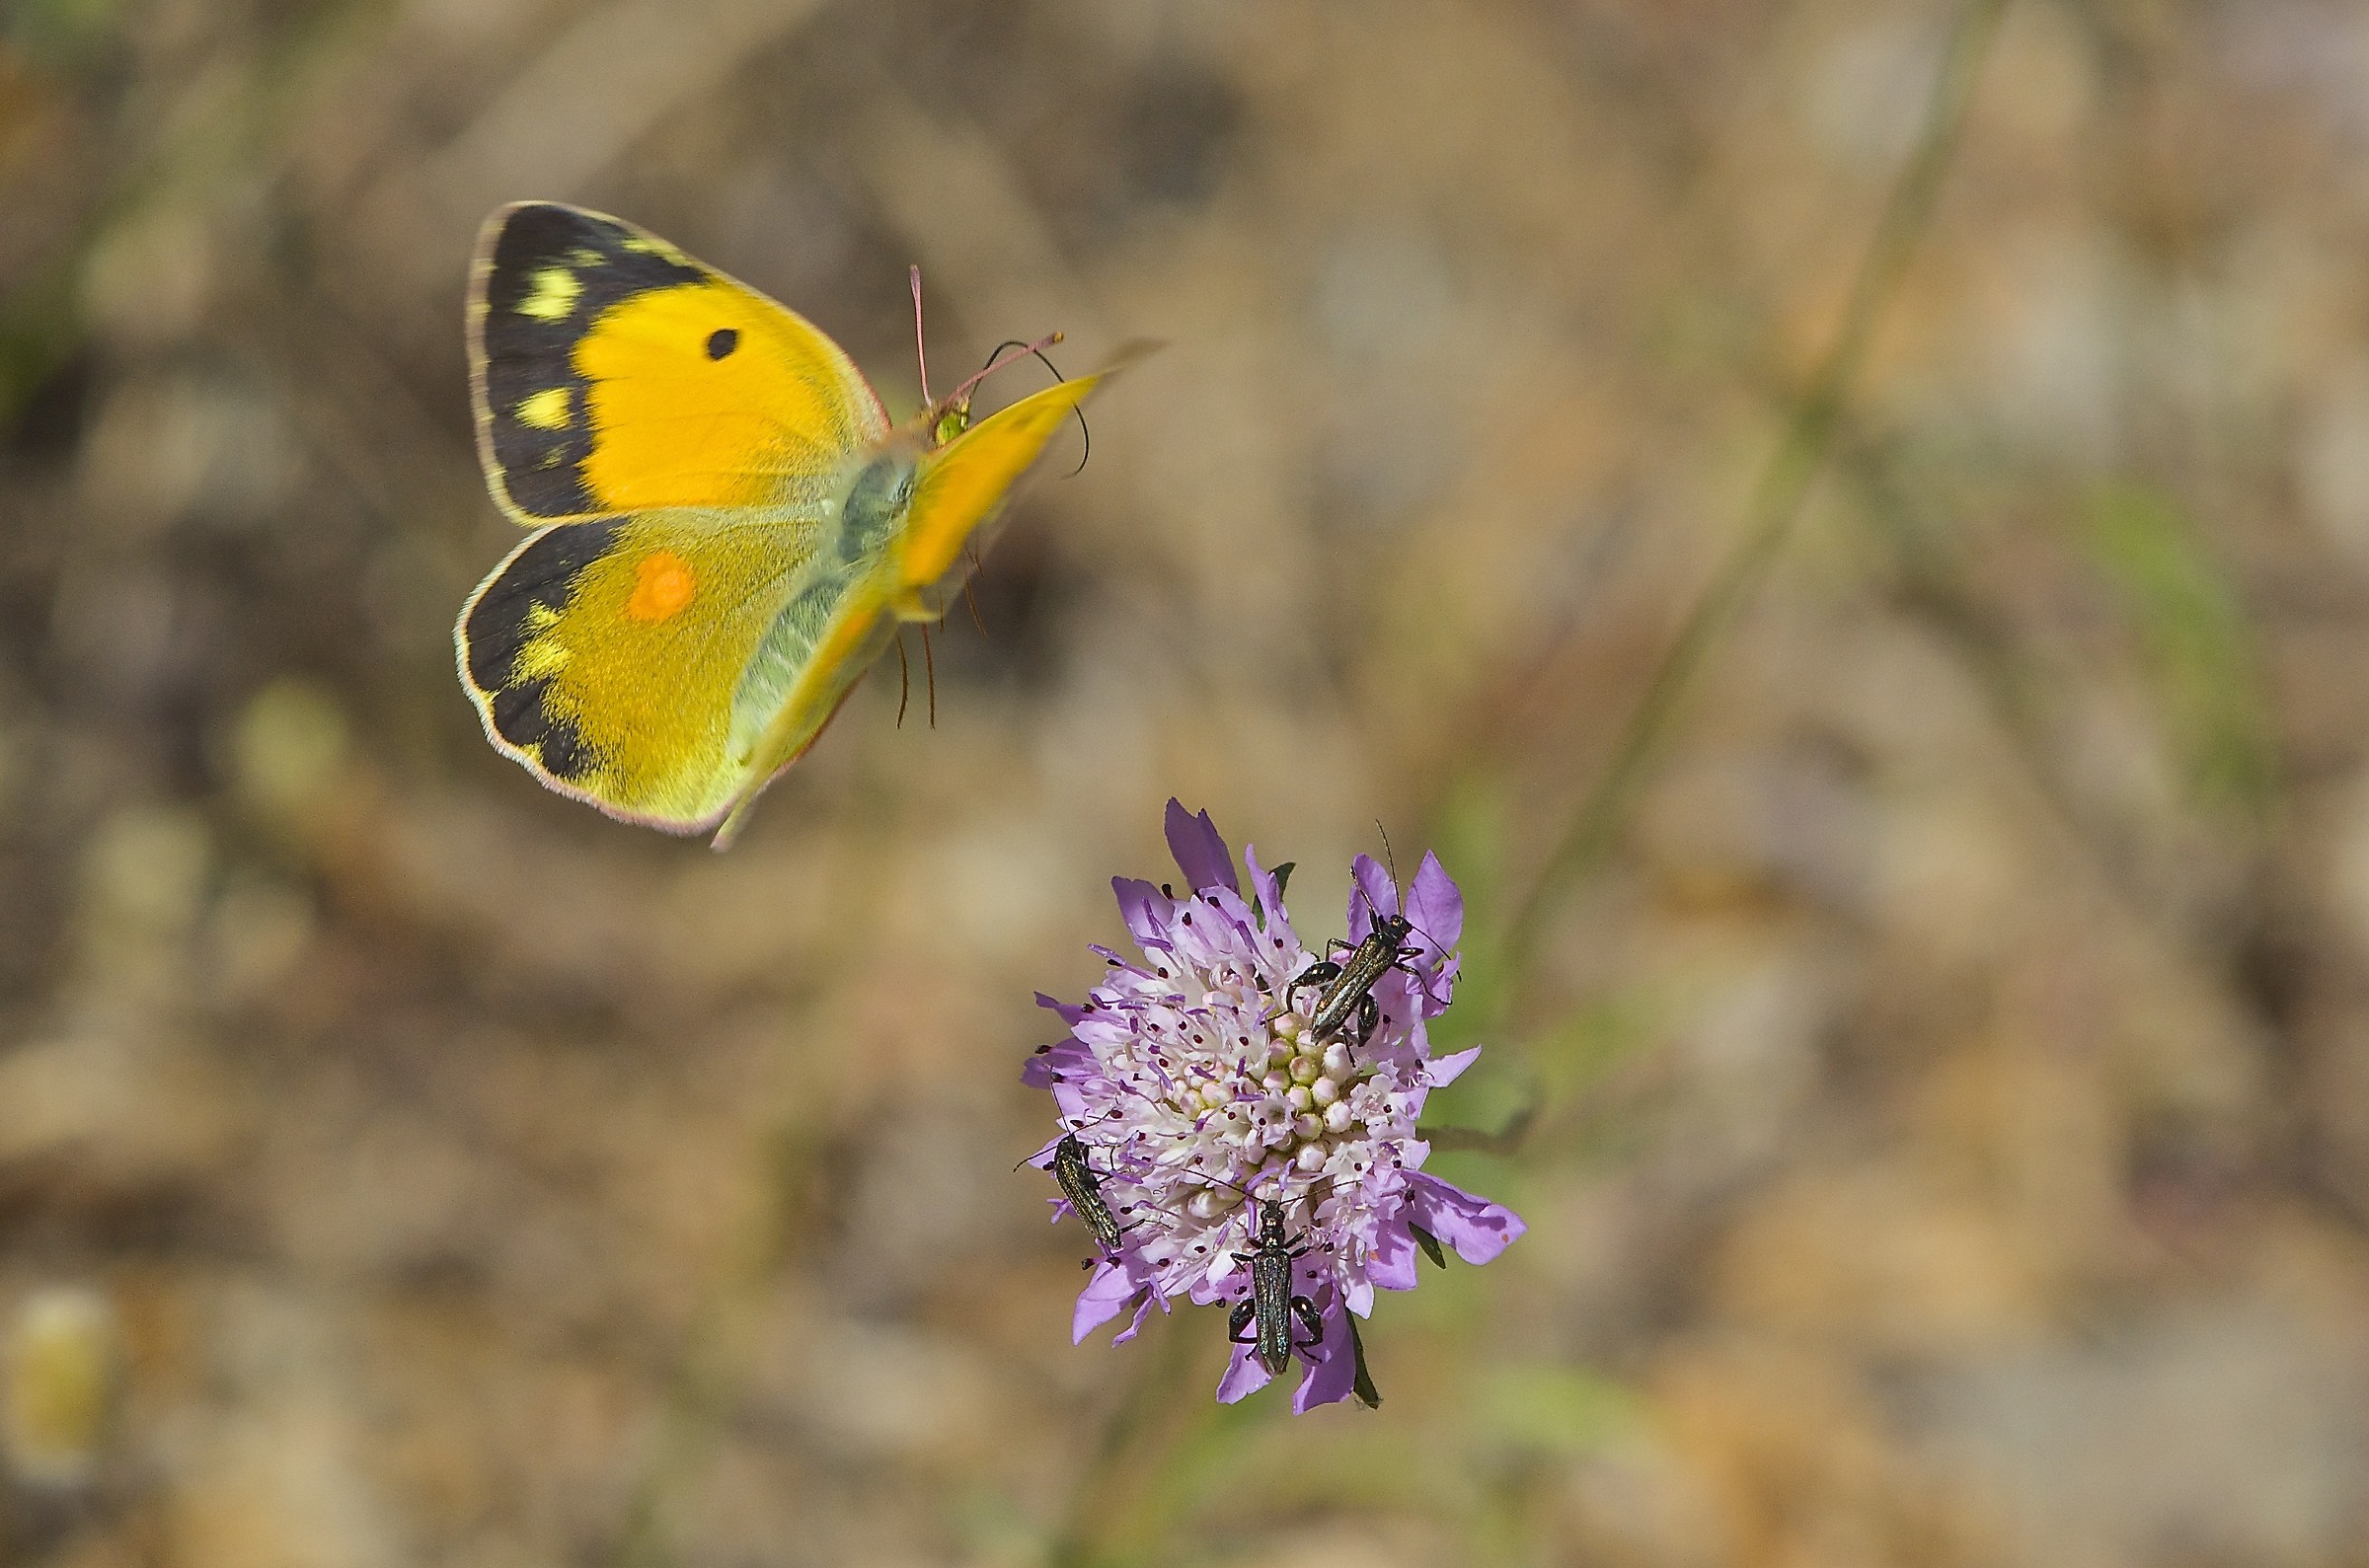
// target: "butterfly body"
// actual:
[[729, 528]]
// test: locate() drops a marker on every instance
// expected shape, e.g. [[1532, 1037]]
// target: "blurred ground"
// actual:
[[1949, 1103]]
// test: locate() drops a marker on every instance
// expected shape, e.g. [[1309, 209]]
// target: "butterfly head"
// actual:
[[949, 419]]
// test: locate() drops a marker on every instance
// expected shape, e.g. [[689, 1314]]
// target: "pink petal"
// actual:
[[1446, 1069], [1476, 1228], [1390, 1264], [1070, 1011], [1202, 854], [1245, 1374], [1263, 888], [1334, 1377], [1143, 1310], [1435, 906], [1064, 1061], [1146, 910], [1100, 1300]]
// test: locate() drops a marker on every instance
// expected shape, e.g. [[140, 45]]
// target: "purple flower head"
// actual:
[[1196, 1084]]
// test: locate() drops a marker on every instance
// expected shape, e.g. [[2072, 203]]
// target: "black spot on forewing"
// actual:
[[723, 341], [551, 273], [504, 621]]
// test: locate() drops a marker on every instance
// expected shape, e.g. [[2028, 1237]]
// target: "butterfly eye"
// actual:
[[721, 341]]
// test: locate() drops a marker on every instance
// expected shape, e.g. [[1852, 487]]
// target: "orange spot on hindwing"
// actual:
[[663, 584]]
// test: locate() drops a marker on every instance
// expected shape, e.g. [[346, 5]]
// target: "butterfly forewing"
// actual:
[[613, 372]]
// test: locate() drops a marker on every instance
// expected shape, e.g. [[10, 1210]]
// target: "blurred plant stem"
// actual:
[[1118, 1508], [1777, 500]]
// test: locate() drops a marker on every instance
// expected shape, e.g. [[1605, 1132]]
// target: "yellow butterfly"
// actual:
[[734, 529]]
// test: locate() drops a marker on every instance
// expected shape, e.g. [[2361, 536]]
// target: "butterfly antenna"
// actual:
[[920, 352], [1084, 432], [905, 678], [995, 360], [929, 664]]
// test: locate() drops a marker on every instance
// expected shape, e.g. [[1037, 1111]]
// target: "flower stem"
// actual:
[[1777, 498], [1106, 1515]]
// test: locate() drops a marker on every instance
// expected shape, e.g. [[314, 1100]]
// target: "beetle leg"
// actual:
[[1238, 1319], [1304, 1311], [1319, 973]]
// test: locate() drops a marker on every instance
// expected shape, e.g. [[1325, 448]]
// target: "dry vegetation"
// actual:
[[1943, 1081]]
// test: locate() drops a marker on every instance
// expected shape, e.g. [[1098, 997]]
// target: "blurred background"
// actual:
[[1921, 917]]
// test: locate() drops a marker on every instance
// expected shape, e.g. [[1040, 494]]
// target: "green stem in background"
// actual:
[[1107, 1516], [1777, 498]]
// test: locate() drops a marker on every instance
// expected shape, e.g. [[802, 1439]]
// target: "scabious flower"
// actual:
[[1200, 1095]]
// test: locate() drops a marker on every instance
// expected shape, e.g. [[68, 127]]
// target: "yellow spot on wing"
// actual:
[[540, 659], [553, 295], [546, 410], [662, 585]]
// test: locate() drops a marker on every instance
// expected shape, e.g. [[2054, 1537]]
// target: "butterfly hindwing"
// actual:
[[633, 661], [611, 372]]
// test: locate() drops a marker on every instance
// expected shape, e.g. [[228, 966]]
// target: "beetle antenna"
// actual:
[[1374, 910], [1069, 1127]]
